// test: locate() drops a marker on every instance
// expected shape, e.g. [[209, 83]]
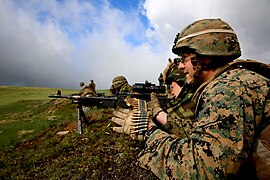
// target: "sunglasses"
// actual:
[[181, 59]]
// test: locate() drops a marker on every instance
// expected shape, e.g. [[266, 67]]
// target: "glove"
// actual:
[[135, 122], [168, 69], [122, 117], [153, 106]]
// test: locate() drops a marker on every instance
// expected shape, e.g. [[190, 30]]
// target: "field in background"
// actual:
[[12, 94], [32, 148], [21, 112]]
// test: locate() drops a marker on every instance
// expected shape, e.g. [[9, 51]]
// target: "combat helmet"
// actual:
[[208, 37], [118, 81], [81, 84]]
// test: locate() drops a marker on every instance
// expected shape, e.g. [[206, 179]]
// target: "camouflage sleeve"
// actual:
[[181, 113], [223, 137], [177, 126]]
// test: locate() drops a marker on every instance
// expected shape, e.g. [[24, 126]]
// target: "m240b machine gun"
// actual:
[[140, 91]]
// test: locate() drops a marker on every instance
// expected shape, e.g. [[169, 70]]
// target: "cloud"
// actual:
[[60, 43], [249, 20], [31, 53]]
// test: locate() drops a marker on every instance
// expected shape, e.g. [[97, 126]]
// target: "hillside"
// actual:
[[32, 148]]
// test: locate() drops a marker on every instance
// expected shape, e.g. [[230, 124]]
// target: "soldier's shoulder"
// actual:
[[242, 75]]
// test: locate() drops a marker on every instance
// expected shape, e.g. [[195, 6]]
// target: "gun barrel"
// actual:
[[98, 101]]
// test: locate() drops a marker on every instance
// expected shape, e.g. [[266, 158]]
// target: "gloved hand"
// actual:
[[168, 69], [123, 118], [153, 106], [135, 122]]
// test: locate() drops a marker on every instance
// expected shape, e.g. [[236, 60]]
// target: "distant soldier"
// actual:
[[92, 86], [160, 80], [85, 91], [86, 111], [59, 92], [120, 84]]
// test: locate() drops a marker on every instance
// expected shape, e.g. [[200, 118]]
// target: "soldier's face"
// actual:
[[187, 66], [175, 89]]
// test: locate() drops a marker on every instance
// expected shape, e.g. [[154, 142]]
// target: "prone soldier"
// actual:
[[120, 84], [86, 90]]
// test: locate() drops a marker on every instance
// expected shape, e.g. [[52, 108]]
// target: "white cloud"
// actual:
[[248, 18], [79, 40]]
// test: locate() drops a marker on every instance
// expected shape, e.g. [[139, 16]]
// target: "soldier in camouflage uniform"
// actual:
[[92, 86], [176, 121], [174, 77], [231, 112], [120, 84], [160, 80], [86, 90]]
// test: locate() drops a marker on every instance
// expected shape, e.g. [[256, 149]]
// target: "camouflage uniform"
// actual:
[[92, 87], [230, 109], [86, 90], [224, 133], [181, 112], [181, 109], [160, 79], [120, 84]]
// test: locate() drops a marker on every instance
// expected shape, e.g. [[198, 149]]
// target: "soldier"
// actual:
[[231, 112], [174, 77], [160, 79], [175, 120], [92, 87], [86, 90], [120, 84]]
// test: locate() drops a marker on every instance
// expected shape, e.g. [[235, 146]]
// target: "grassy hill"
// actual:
[[32, 148]]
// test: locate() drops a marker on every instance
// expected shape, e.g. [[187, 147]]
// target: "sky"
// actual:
[[59, 43]]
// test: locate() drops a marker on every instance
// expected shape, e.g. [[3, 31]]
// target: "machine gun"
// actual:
[[140, 91]]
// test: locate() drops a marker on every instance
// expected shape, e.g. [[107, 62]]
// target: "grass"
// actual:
[[30, 147], [21, 112], [20, 105], [12, 94]]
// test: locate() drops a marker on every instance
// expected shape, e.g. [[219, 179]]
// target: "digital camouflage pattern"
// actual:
[[120, 84], [231, 111], [181, 113], [209, 37]]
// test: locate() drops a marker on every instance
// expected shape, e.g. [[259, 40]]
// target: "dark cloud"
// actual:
[[58, 44]]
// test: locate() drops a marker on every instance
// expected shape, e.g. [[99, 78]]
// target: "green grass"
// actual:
[[22, 112], [11, 94], [30, 147]]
